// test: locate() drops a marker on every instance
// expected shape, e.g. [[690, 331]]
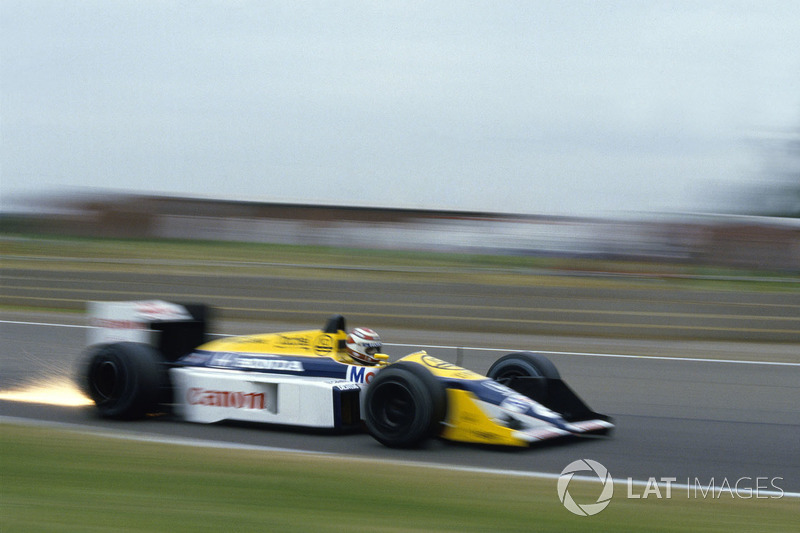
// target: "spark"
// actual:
[[50, 391]]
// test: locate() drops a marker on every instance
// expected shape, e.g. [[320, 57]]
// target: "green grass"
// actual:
[[201, 257], [62, 481]]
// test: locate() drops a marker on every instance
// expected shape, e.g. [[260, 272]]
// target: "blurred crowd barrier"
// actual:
[[718, 240]]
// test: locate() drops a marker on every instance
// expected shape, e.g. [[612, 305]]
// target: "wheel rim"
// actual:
[[393, 407], [104, 379], [507, 374]]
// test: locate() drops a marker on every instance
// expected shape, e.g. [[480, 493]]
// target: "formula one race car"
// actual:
[[153, 357]]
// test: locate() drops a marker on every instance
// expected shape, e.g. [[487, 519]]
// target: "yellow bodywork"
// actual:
[[465, 420], [313, 342]]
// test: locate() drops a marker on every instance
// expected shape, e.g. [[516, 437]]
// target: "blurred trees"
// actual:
[[778, 192]]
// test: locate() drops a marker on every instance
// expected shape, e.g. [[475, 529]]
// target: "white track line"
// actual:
[[44, 324], [584, 354], [519, 473], [204, 443], [612, 355]]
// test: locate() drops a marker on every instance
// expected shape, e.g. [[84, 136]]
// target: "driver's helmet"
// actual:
[[362, 344]]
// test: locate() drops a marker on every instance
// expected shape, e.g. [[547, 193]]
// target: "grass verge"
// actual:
[[202, 257], [63, 481]]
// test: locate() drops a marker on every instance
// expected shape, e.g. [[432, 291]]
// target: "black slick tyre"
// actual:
[[125, 380], [522, 365], [404, 405]]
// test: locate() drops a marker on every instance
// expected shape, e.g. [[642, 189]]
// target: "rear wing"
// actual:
[[174, 329]]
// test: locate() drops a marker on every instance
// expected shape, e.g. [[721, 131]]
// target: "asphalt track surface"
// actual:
[[419, 299], [699, 419]]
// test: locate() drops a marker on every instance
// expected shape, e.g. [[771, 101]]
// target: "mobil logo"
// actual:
[[360, 374]]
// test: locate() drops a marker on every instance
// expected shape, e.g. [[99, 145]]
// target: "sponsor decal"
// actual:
[[346, 386], [223, 359], [288, 341], [324, 344], [259, 363], [360, 374], [498, 387], [589, 425], [445, 369], [247, 340], [160, 310], [223, 398], [252, 362], [544, 434], [117, 324], [195, 358], [517, 404], [435, 362], [484, 436]]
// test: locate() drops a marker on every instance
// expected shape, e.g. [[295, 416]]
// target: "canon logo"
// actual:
[[116, 324], [223, 398]]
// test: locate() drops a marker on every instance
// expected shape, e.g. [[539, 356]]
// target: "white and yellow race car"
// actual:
[[154, 357]]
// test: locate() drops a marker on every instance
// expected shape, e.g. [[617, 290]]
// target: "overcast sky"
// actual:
[[539, 107]]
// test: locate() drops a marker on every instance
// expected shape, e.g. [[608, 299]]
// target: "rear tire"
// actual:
[[522, 365], [404, 405], [125, 380]]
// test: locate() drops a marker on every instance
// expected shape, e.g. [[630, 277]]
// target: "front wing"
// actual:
[[527, 410]]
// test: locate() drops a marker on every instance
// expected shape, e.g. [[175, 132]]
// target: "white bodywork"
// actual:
[[211, 395], [130, 321]]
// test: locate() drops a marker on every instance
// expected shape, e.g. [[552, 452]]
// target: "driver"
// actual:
[[362, 345]]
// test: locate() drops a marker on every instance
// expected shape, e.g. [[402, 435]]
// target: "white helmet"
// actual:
[[362, 344]]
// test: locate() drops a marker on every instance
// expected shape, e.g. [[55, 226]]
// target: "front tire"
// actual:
[[404, 405], [522, 365], [125, 380]]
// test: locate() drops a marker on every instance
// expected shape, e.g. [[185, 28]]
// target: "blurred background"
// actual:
[[574, 109], [748, 242], [639, 140]]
